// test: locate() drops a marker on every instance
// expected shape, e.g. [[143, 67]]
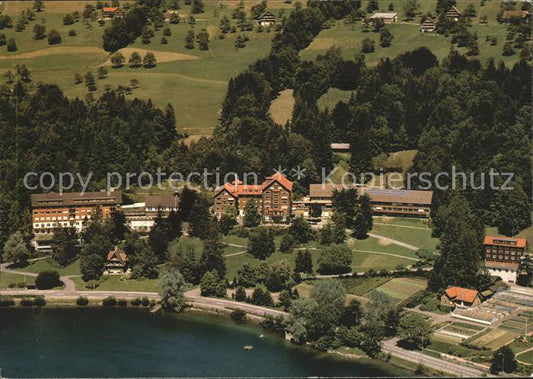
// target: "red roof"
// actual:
[[109, 9], [237, 188], [117, 253], [505, 241], [278, 177], [463, 294]]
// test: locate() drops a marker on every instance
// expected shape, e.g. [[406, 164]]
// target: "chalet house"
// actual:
[[388, 18], [503, 255], [116, 262], [54, 210], [453, 13], [385, 202], [109, 13], [458, 297], [140, 216], [509, 16], [428, 26], [340, 147], [272, 197], [266, 19]]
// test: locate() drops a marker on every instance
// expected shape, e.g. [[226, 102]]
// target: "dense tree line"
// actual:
[[57, 134]]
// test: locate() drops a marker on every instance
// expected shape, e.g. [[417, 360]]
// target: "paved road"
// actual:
[[193, 296], [396, 242], [70, 286], [435, 363]]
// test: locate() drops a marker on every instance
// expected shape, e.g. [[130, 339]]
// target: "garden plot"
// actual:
[[460, 330], [493, 339]]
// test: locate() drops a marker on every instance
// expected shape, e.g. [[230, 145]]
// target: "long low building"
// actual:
[[70, 209], [140, 216], [385, 202]]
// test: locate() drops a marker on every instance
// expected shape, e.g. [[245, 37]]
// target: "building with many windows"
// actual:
[[54, 210], [503, 255], [385, 202], [140, 216], [273, 198]]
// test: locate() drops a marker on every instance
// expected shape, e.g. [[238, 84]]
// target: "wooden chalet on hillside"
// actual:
[[453, 13], [428, 26], [266, 19]]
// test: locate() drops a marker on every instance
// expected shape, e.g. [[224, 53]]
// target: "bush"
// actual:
[[136, 302], [82, 301], [122, 302], [47, 280], [39, 301], [238, 315], [240, 294], [72, 33], [26, 302], [109, 301], [6, 302], [145, 302]]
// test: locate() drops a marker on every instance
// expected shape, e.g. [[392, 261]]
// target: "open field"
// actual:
[[402, 288], [193, 81], [281, 107], [349, 37]]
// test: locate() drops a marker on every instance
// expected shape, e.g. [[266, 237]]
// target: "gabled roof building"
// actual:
[[272, 197]]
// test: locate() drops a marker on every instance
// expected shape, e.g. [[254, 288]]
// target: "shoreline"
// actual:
[[70, 303]]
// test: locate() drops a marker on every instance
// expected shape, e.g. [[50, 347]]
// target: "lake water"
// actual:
[[130, 343]]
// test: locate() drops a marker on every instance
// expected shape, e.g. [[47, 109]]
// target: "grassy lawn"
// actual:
[[407, 36], [114, 283], [417, 237], [332, 97], [7, 278], [47, 265], [195, 88], [382, 246]]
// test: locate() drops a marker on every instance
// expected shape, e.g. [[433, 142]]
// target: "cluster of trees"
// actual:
[[149, 60], [202, 39]]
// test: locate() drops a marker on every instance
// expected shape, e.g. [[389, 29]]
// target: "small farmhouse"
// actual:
[[388, 18], [458, 297], [110, 13]]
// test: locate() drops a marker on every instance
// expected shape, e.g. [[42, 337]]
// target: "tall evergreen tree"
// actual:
[[460, 262], [212, 258], [252, 217]]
